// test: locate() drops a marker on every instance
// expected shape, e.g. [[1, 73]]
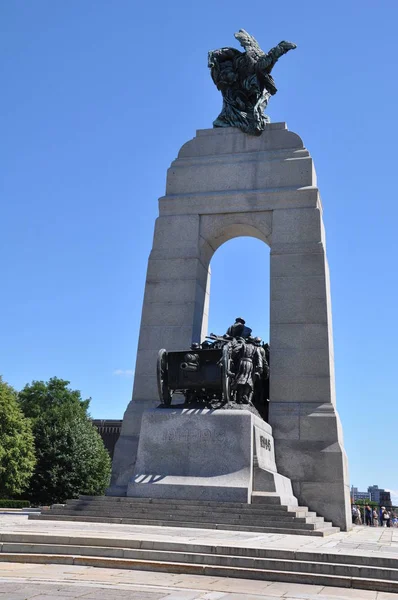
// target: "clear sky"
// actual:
[[97, 98]]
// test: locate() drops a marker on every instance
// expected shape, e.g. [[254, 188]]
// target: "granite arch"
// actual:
[[225, 184]]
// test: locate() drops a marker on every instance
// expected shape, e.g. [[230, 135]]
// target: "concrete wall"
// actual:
[[226, 184]]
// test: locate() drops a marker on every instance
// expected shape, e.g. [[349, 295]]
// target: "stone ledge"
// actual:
[[236, 130], [239, 201]]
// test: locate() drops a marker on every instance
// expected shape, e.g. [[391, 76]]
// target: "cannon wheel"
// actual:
[[161, 371], [226, 387]]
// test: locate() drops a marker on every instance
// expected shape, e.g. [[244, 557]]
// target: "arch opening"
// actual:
[[240, 286], [216, 230]]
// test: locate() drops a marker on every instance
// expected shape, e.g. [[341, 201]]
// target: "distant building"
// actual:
[[356, 495], [374, 492], [385, 499], [109, 430]]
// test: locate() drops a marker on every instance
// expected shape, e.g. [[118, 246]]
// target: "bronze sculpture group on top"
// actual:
[[245, 81], [222, 372]]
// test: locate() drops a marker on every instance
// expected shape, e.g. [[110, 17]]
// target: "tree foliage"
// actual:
[[40, 397], [17, 455], [71, 457]]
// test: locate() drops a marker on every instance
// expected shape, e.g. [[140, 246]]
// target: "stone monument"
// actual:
[[220, 455], [225, 184]]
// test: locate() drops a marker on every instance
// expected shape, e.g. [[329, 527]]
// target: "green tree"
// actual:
[[71, 457], [17, 455]]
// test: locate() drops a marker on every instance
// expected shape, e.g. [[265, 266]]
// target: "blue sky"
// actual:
[[97, 99]]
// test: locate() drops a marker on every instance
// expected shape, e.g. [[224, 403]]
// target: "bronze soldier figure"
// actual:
[[250, 364]]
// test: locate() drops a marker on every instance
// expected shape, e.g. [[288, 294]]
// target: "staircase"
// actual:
[[266, 514], [364, 570]]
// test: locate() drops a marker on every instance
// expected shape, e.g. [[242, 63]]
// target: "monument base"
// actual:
[[204, 454]]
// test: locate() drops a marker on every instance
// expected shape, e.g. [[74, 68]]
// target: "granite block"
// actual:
[[300, 225], [299, 336], [178, 268], [297, 264], [302, 286], [176, 231], [195, 454], [317, 497], [170, 314], [239, 201], [208, 176], [231, 140], [298, 309], [177, 337], [300, 389], [179, 291], [293, 362]]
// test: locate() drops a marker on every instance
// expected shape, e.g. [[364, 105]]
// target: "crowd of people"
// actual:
[[375, 517]]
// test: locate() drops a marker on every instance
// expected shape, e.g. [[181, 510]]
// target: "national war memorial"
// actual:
[[244, 177]]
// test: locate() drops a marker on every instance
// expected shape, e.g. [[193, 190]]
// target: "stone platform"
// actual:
[[265, 515], [207, 455], [364, 559]]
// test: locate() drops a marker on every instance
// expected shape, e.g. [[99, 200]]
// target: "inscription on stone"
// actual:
[[192, 435], [265, 443]]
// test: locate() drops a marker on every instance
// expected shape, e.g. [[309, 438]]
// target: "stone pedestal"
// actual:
[[225, 184], [221, 455]]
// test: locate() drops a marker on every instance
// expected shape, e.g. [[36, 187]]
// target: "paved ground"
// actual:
[[60, 582]]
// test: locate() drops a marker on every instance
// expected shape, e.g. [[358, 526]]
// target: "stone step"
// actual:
[[210, 519], [48, 539], [249, 509], [267, 514], [275, 571], [265, 498], [182, 505], [188, 504], [327, 529], [180, 513], [272, 500], [228, 560]]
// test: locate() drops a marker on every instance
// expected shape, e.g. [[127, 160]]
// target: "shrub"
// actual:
[[17, 456], [71, 456], [14, 503]]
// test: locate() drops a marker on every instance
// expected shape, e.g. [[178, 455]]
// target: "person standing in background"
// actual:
[[359, 515], [368, 515], [354, 512], [384, 517], [388, 518], [375, 518]]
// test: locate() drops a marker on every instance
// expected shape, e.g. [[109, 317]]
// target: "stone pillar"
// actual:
[[306, 426], [175, 313], [226, 184]]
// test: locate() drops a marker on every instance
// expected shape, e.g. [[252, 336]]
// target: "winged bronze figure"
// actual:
[[245, 81]]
